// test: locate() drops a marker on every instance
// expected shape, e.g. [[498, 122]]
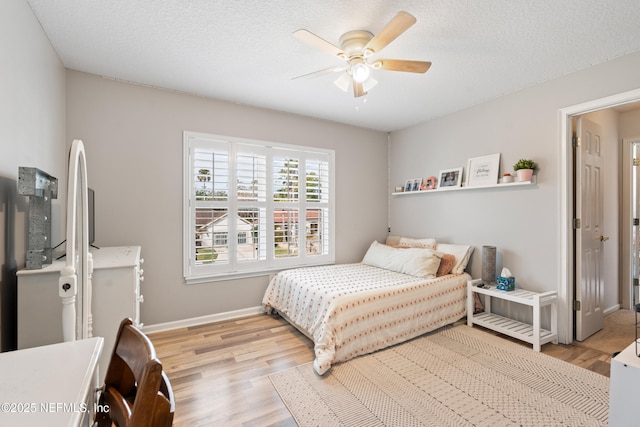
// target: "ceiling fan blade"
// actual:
[[358, 89], [402, 65], [319, 73], [398, 25], [318, 42]]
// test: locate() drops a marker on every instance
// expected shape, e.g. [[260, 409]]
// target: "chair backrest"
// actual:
[[136, 390]]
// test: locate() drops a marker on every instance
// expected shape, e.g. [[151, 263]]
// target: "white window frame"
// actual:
[[194, 273]]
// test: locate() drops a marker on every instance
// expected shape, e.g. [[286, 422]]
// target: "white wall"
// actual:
[[133, 140], [629, 123], [521, 223], [32, 81]]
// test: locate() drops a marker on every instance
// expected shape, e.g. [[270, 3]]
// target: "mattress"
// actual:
[[354, 309]]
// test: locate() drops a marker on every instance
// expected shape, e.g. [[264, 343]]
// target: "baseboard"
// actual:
[[610, 310], [202, 320]]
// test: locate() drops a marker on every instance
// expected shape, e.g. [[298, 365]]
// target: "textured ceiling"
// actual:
[[243, 51]]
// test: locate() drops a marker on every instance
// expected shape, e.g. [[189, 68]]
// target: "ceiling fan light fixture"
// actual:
[[369, 84], [360, 72], [343, 82]]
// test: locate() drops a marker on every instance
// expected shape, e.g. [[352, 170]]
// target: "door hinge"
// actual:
[[636, 162], [576, 305], [576, 223], [636, 221], [636, 282], [575, 141]]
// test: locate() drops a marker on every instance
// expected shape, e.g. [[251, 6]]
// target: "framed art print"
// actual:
[[483, 170]]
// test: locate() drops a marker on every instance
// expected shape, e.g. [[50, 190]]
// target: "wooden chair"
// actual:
[[137, 393]]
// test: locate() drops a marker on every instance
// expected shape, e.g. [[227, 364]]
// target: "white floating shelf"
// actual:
[[501, 185]]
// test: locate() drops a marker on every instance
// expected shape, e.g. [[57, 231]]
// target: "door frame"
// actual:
[[566, 198], [626, 226]]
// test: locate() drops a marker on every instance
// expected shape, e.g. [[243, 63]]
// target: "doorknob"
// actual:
[[603, 238]]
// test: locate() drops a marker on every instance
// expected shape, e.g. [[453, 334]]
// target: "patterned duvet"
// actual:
[[353, 309]]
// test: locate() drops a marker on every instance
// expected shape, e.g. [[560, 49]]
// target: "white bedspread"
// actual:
[[354, 309]]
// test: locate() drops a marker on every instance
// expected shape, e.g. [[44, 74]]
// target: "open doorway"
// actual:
[[623, 102]]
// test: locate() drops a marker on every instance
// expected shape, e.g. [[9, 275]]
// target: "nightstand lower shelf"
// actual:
[[512, 328]]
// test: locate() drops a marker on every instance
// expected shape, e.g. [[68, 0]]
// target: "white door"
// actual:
[[590, 240]]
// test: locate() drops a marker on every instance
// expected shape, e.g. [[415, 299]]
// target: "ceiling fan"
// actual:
[[357, 47]]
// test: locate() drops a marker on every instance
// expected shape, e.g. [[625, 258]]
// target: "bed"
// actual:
[[396, 293]]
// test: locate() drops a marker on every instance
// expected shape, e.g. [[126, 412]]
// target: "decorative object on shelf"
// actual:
[[41, 188], [428, 184], [524, 169], [483, 170], [450, 178], [505, 281], [399, 189], [507, 178], [441, 189], [488, 264], [413, 184]]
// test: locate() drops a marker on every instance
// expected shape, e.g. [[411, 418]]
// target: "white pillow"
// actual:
[[461, 252], [413, 261], [408, 242]]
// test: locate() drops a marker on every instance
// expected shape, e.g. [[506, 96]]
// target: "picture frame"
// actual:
[[417, 182], [483, 170], [408, 185], [448, 178], [428, 184]]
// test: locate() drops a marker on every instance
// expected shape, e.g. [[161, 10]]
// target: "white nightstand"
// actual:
[[532, 334]]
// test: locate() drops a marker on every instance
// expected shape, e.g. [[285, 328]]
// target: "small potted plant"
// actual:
[[524, 169]]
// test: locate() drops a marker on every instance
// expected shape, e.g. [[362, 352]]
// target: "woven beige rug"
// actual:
[[458, 376]]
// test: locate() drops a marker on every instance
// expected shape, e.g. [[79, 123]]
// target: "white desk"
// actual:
[[52, 385]]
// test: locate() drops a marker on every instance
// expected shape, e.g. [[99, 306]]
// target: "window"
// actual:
[[252, 207]]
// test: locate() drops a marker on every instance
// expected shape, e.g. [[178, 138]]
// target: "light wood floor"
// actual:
[[219, 371]]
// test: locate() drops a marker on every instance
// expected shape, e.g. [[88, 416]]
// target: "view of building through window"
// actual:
[[253, 204]]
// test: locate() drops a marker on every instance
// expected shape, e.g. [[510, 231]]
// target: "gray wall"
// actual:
[[523, 223], [133, 140], [31, 134]]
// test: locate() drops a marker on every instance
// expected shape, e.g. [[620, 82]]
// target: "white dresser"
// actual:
[[117, 275]]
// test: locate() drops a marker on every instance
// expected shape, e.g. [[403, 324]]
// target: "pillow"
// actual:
[[408, 242], [447, 263], [461, 252], [413, 261], [392, 241]]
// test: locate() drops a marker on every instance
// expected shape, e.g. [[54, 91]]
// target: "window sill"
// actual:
[[194, 280]]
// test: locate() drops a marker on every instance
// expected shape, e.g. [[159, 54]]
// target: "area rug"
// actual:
[[457, 376]]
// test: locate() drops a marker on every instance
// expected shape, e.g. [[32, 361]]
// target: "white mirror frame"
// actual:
[[75, 277]]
